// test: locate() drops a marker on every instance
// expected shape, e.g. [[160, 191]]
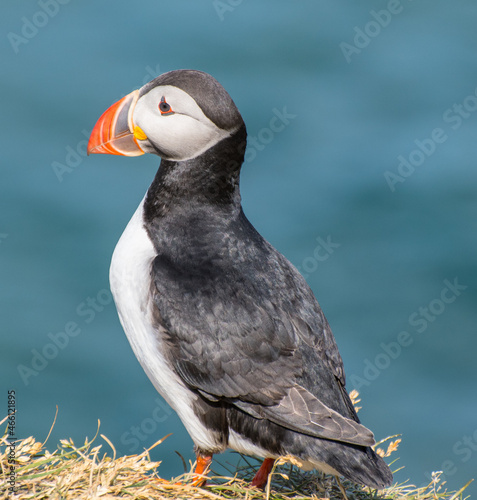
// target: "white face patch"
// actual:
[[181, 135]]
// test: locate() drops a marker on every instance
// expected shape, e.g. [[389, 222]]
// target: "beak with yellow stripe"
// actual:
[[177, 116], [115, 132]]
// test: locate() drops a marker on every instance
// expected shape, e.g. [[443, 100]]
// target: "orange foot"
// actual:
[[201, 469], [261, 477]]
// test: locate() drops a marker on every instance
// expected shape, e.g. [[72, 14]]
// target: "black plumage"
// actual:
[[243, 326], [236, 321]]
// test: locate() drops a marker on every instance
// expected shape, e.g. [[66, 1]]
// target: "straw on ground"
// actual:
[[93, 471]]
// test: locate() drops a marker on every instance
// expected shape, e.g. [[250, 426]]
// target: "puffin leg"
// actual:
[[261, 477], [201, 469]]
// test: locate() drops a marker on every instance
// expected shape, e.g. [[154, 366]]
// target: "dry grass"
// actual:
[[88, 472]]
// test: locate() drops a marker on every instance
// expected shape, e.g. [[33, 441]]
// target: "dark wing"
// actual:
[[222, 341], [253, 334], [301, 411]]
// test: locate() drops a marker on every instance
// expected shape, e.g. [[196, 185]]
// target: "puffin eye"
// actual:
[[164, 107]]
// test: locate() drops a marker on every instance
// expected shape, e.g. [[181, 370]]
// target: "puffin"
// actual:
[[225, 327]]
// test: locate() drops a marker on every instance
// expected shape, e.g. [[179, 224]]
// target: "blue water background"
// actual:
[[356, 108]]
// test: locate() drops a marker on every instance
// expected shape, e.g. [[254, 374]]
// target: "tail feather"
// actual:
[[357, 463], [363, 466]]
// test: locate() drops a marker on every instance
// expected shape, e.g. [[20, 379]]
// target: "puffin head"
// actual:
[[178, 116]]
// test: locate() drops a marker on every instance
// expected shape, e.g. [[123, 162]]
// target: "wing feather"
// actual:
[[301, 411], [249, 331]]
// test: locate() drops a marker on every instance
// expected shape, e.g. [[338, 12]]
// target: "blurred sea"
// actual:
[[370, 189]]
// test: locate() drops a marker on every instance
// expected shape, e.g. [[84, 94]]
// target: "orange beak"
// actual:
[[115, 133]]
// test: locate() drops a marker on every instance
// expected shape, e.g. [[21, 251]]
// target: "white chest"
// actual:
[[130, 279]]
